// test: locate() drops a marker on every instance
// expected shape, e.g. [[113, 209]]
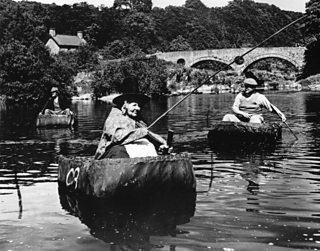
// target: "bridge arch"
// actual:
[[181, 61], [265, 56], [214, 59]]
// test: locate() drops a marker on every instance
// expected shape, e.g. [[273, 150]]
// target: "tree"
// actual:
[[200, 38], [312, 32], [28, 72], [312, 24], [196, 5], [86, 58], [91, 34], [68, 19], [179, 44], [153, 77], [140, 28], [20, 26], [134, 5], [120, 49], [171, 22], [110, 25], [150, 72]]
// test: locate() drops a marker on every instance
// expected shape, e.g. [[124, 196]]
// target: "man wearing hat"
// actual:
[[55, 105], [124, 134], [248, 105]]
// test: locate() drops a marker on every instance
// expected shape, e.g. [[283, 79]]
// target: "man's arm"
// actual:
[[277, 111], [159, 142], [272, 108]]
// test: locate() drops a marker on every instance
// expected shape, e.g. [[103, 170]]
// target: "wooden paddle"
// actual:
[[276, 110]]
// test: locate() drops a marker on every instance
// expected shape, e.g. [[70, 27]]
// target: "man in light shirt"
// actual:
[[248, 105]]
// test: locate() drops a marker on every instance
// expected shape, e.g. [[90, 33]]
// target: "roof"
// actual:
[[68, 41]]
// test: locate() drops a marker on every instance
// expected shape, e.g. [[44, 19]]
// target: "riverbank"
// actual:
[[309, 84]]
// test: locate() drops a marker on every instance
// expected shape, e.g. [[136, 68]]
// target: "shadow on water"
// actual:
[[54, 133], [130, 226], [19, 195], [239, 149]]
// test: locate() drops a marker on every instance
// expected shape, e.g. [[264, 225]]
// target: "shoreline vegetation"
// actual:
[[311, 83]]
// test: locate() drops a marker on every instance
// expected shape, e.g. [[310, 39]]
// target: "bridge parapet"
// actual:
[[294, 55]]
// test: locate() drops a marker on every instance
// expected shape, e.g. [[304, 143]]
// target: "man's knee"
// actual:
[[116, 152], [256, 119], [67, 111], [47, 112]]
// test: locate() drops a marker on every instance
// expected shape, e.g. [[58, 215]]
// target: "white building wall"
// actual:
[[53, 47]]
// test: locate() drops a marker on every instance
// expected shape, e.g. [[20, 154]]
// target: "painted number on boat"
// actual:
[[72, 177]]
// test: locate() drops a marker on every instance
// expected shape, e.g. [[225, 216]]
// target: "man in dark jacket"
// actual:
[[55, 105], [125, 135]]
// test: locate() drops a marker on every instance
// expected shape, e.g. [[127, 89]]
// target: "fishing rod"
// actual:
[[236, 59], [45, 105]]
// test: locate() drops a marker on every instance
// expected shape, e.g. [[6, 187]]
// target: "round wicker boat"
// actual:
[[127, 176], [230, 134], [52, 120]]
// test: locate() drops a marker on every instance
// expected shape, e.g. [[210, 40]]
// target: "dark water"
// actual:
[[266, 199]]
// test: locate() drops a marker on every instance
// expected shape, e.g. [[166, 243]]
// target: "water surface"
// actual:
[[266, 199]]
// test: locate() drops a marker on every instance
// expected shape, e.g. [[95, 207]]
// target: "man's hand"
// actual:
[[283, 118], [246, 115], [165, 149]]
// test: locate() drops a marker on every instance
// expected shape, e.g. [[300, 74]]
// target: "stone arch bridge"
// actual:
[[293, 55]]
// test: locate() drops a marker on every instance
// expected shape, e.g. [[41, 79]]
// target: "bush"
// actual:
[[150, 72], [28, 72]]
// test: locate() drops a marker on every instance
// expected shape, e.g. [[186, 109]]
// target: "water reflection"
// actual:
[[240, 148], [264, 205], [54, 134], [19, 195], [130, 226]]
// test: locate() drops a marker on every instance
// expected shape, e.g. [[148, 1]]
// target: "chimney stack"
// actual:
[[52, 32], [80, 35]]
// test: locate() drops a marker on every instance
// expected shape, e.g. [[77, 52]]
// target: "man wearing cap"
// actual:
[[124, 134], [55, 105], [248, 105]]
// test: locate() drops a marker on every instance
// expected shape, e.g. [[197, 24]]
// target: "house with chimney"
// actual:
[[57, 43]]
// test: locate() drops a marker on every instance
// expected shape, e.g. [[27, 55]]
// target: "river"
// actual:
[[267, 199]]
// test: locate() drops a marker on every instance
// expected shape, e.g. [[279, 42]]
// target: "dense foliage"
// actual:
[[128, 29], [312, 36], [150, 72], [241, 23], [27, 72]]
